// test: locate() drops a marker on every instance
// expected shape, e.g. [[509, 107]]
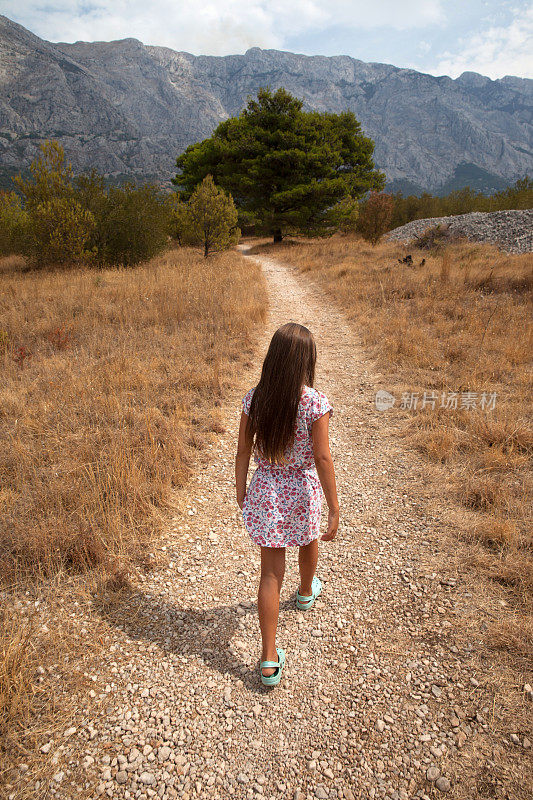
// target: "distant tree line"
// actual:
[[274, 169], [380, 212], [56, 218], [461, 201]]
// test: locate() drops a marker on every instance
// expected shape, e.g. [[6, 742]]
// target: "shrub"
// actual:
[[375, 216], [436, 237], [179, 219], [134, 224], [343, 215], [90, 191], [211, 218], [59, 232], [57, 227], [50, 176], [13, 224], [65, 219]]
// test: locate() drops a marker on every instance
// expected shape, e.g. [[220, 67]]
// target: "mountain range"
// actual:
[[129, 109]]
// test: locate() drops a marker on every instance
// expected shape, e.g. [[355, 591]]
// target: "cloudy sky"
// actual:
[[442, 37]]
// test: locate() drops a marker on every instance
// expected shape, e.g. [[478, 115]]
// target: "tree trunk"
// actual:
[[206, 249], [278, 236]]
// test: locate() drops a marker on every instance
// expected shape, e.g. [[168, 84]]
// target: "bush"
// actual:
[[134, 224], [211, 217], [343, 215], [375, 216], [57, 227], [179, 220], [13, 224], [64, 219], [59, 232], [436, 237], [50, 177]]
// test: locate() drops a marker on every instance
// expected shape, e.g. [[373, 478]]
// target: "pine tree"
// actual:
[[212, 217], [285, 168]]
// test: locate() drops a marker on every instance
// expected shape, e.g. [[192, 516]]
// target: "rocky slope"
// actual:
[[127, 108], [512, 231]]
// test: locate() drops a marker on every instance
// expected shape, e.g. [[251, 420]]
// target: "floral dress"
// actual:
[[283, 504]]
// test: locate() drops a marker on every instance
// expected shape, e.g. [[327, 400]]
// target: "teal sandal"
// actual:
[[274, 679], [302, 602]]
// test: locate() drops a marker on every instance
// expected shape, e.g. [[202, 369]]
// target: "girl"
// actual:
[[285, 422]]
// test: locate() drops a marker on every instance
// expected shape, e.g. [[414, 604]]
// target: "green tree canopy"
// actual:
[[60, 218], [211, 217], [285, 168], [51, 176]]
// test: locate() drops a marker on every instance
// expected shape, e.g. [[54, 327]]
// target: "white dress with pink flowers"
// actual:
[[283, 504]]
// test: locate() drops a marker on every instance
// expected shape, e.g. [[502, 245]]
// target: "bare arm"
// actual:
[[326, 473], [242, 459]]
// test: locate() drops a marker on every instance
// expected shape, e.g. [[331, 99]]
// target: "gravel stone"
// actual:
[[443, 784], [512, 230]]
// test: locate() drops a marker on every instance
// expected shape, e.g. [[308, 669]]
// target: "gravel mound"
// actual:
[[512, 231]]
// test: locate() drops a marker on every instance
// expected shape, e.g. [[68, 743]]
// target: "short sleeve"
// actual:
[[320, 405], [246, 400]]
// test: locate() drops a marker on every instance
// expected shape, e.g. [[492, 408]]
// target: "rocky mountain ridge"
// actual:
[[129, 109]]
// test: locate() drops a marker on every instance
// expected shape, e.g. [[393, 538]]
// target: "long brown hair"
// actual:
[[289, 365]]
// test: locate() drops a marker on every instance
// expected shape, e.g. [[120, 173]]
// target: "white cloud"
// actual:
[[495, 52], [216, 27]]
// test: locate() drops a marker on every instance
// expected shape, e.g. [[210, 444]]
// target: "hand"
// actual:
[[333, 525], [240, 502]]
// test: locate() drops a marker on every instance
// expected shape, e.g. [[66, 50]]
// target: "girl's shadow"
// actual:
[[205, 633]]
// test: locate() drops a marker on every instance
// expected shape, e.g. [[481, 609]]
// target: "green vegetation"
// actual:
[[134, 225], [59, 219], [13, 223], [461, 201], [273, 169], [209, 218], [287, 169], [375, 216]]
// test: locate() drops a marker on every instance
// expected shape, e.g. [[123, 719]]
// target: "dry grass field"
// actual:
[[458, 323], [110, 386]]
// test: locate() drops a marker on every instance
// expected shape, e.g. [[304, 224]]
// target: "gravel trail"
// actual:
[[378, 699]]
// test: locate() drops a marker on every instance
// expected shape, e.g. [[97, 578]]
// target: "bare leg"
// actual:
[[272, 572], [307, 561]]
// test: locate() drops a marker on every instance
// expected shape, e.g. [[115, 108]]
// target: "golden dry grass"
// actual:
[[461, 322], [44, 657], [17, 667], [109, 384], [110, 387]]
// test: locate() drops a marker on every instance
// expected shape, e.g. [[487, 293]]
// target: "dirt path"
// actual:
[[377, 690]]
